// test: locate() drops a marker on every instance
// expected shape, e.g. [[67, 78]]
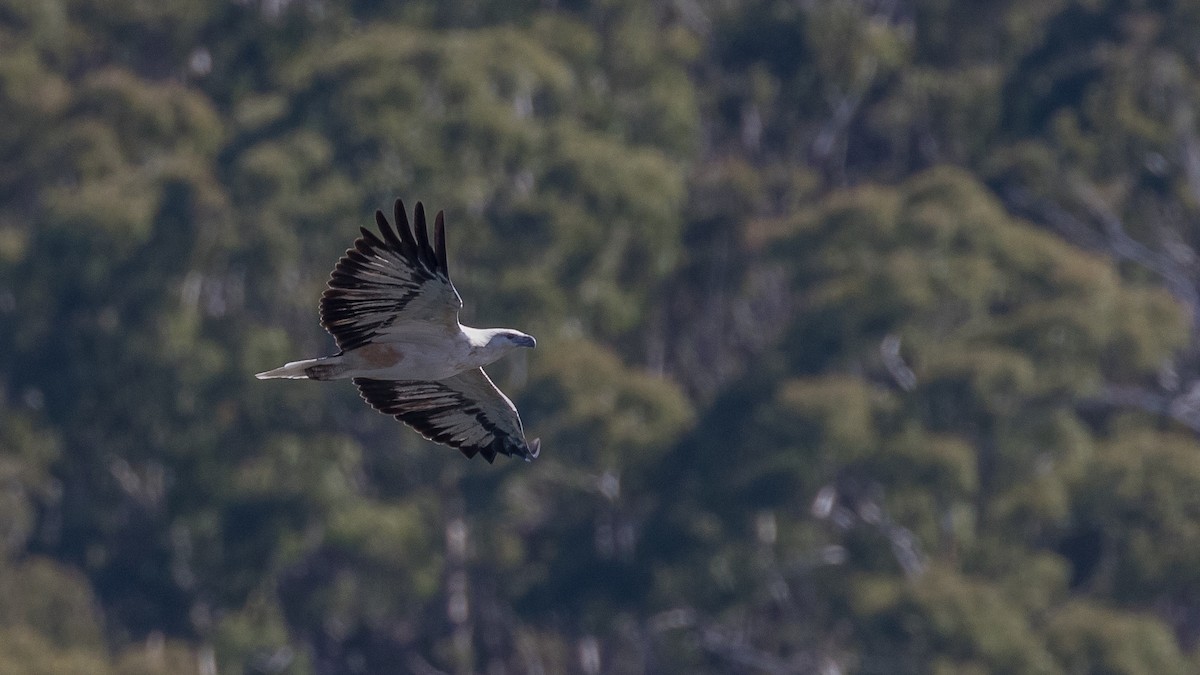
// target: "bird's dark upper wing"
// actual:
[[466, 412], [382, 284]]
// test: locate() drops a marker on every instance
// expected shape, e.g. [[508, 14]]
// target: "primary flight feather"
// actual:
[[393, 312]]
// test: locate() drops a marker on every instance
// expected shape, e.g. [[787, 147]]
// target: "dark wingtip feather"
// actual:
[[381, 222], [439, 243], [419, 225], [369, 236], [409, 244], [424, 251], [385, 228]]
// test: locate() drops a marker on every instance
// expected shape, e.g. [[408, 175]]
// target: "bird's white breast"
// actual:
[[416, 355]]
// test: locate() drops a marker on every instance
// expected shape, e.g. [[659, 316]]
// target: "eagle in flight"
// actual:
[[393, 311]]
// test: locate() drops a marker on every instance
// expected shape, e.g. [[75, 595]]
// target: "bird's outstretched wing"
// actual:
[[466, 412], [385, 283]]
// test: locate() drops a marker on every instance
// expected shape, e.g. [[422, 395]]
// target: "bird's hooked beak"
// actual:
[[525, 341]]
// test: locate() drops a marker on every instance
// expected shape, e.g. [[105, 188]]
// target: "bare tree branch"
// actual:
[[1184, 409], [1180, 280]]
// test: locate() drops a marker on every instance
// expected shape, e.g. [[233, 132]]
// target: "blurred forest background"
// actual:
[[866, 336]]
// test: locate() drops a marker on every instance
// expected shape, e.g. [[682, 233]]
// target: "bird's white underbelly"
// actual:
[[410, 360]]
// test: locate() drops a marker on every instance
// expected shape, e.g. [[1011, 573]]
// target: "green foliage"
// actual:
[[1139, 493], [865, 337], [22, 650], [515, 126], [945, 623], [1092, 639]]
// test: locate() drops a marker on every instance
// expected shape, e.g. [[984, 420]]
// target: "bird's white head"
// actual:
[[506, 339], [489, 344]]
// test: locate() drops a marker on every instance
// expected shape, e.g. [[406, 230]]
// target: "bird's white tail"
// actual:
[[324, 368], [292, 371]]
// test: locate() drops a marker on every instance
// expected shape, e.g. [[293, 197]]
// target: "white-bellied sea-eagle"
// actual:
[[393, 311]]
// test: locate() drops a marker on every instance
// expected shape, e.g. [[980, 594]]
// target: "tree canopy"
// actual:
[[867, 337]]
